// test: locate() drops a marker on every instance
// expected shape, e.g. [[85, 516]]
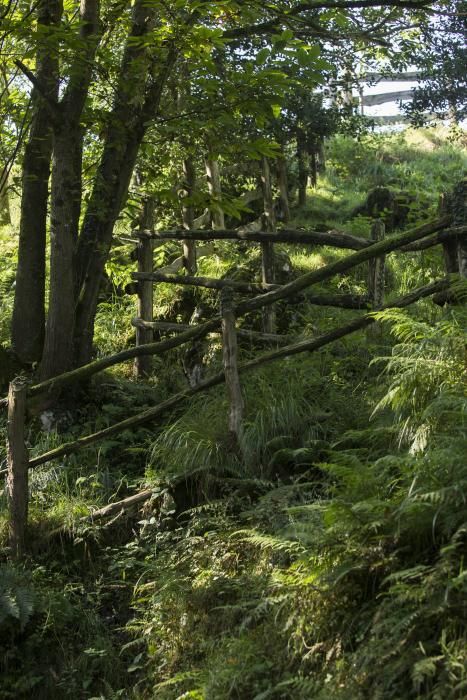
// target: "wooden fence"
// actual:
[[265, 294]]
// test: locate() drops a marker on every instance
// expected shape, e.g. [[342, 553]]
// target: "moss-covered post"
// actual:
[[230, 359], [18, 464]]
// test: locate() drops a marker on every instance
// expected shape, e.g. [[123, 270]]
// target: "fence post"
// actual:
[[376, 268], [143, 364], [18, 464], [230, 361], [267, 249]]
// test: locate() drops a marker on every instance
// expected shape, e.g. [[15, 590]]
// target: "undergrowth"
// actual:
[[320, 557]]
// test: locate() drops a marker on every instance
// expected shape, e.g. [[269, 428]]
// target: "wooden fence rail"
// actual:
[[306, 345], [298, 285], [334, 238]]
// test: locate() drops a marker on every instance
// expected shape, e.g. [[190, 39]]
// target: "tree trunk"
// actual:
[[303, 167], [230, 359], [28, 323], [283, 187], [189, 246], [376, 268], [143, 365], [267, 249], [127, 126], [66, 201], [313, 159], [215, 190], [64, 220], [5, 215]]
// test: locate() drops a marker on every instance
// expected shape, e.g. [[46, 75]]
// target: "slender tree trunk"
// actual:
[[303, 167], [5, 215], [313, 160], [215, 190], [283, 186], [28, 323], [127, 126], [230, 361], [189, 246], [267, 249], [143, 365]]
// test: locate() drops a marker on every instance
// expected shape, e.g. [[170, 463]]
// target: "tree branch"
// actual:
[[53, 105]]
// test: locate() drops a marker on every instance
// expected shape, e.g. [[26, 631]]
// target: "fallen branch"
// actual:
[[119, 506]]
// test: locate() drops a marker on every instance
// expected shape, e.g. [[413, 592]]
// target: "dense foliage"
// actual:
[[317, 548], [326, 560]]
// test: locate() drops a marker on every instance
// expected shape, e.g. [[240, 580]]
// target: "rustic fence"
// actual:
[[266, 294]]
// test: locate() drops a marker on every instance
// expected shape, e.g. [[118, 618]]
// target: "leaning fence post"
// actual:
[[143, 363], [230, 360], [18, 464], [376, 268]]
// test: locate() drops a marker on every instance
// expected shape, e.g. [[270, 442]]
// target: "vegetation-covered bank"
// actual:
[[324, 556]]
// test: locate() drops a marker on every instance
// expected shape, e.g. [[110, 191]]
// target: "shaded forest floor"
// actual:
[[325, 559]]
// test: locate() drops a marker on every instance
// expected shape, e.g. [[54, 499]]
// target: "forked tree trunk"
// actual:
[[127, 126], [66, 201], [28, 323]]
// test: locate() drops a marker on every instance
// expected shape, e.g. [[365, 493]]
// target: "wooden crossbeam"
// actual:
[[306, 345], [169, 327], [337, 239], [286, 290], [207, 282]]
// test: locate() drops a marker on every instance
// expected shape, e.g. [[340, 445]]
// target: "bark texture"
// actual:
[[127, 126], [66, 199], [28, 323]]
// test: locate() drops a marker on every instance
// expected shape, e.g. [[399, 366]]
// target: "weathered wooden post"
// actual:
[[230, 360], [268, 271], [18, 464], [376, 268], [143, 364]]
